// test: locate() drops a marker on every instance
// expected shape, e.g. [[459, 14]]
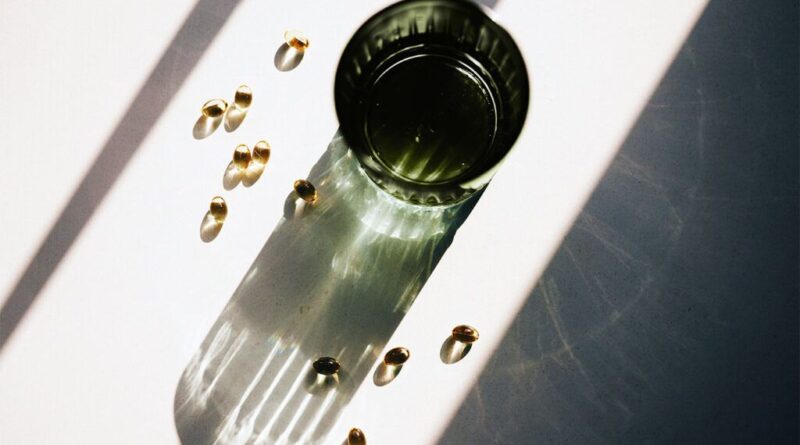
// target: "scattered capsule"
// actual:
[[296, 40], [305, 190], [214, 108], [465, 334], [243, 97], [356, 437], [326, 366], [218, 208], [397, 356], [241, 157], [261, 152]]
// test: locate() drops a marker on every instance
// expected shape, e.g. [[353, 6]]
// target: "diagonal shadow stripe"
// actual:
[[181, 56], [669, 312]]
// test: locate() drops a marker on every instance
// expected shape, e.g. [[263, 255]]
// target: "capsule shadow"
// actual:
[[234, 117], [232, 177], [209, 228], [453, 351], [205, 126], [252, 173], [385, 374], [287, 58]]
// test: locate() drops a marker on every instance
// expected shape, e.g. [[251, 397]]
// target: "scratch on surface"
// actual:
[[604, 294], [639, 172], [481, 408], [591, 225], [753, 62], [552, 312], [721, 100], [636, 171], [583, 276], [702, 103]]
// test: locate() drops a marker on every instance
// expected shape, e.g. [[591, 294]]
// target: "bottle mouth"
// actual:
[[431, 95]]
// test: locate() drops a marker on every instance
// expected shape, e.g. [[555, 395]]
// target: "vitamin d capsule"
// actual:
[[305, 190], [397, 356], [326, 366], [241, 157], [218, 209], [296, 40], [214, 108], [356, 437], [243, 97], [261, 152], [465, 334]]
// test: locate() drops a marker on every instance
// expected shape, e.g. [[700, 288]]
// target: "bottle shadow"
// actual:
[[334, 279]]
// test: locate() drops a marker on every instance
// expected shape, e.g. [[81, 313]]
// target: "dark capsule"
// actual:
[[465, 334], [356, 437], [326, 366], [305, 190], [397, 356]]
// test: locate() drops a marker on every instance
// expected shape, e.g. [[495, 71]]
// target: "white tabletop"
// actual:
[[99, 354]]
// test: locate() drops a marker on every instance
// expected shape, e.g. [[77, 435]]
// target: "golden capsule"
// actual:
[[465, 334], [356, 437], [214, 108], [261, 152], [397, 356], [305, 190], [241, 157], [218, 209], [326, 366], [296, 40], [243, 97]]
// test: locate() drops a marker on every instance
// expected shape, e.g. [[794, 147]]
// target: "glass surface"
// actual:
[[430, 118], [431, 95]]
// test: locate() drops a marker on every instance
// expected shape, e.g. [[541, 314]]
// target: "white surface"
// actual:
[[98, 356]]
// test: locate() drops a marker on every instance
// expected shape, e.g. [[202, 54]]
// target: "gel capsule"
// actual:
[[296, 40], [356, 437], [243, 97], [218, 209], [397, 356], [305, 190], [465, 334], [214, 108], [261, 152], [241, 157], [326, 366]]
